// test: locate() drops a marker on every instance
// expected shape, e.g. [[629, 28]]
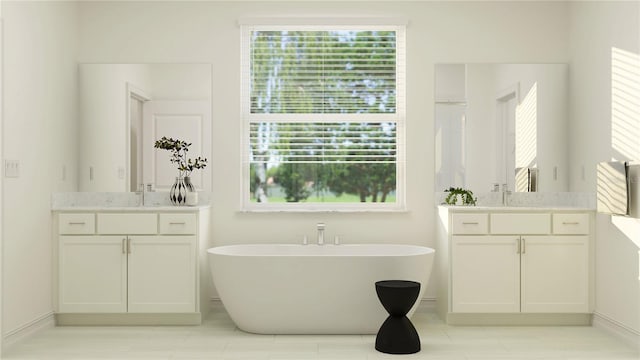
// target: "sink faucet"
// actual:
[[505, 195], [141, 191], [320, 227]]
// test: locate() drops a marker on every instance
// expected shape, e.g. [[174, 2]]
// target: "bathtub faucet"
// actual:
[[320, 233]]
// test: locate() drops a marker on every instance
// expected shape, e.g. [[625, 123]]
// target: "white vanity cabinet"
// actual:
[[129, 265], [162, 274], [531, 266], [92, 274], [485, 274], [554, 273]]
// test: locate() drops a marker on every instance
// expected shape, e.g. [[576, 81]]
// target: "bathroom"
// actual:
[[44, 42]]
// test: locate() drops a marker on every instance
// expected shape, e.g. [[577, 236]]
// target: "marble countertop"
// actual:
[[161, 208], [518, 202], [123, 202], [515, 208]]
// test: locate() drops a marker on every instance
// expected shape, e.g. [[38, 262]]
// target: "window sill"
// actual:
[[325, 210]]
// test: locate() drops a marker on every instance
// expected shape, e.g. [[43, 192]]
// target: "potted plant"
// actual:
[[465, 195], [182, 186]]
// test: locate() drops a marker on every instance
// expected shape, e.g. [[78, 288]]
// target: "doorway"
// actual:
[[135, 99], [506, 104]]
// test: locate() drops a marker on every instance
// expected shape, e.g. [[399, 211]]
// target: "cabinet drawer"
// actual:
[[177, 224], [570, 223], [462, 224], [76, 224], [520, 224], [127, 224]]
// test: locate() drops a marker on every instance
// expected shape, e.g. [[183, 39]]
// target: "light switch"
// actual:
[[11, 168], [120, 172]]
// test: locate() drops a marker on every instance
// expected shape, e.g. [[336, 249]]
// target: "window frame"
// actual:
[[399, 118]]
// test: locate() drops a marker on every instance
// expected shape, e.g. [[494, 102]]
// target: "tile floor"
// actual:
[[218, 338]]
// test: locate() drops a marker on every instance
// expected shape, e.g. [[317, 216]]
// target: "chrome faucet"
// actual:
[[505, 195], [141, 191], [320, 227]]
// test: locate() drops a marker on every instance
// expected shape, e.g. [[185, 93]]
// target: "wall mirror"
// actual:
[[124, 108], [501, 124]]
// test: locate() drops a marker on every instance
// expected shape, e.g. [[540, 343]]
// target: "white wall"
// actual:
[[39, 130], [437, 33], [596, 30], [39, 117], [180, 81]]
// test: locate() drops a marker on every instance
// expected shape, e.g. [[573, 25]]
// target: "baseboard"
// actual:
[[617, 329], [215, 304], [427, 305], [127, 319], [13, 337], [518, 319]]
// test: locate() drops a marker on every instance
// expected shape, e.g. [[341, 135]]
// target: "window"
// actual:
[[323, 112]]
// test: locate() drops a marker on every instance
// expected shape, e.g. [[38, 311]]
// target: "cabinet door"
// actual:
[[485, 274], [92, 274], [162, 274], [555, 273]]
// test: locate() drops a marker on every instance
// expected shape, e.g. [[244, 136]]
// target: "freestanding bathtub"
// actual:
[[312, 289]]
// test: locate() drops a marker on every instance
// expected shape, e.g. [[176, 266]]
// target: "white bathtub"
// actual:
[[312, 289]]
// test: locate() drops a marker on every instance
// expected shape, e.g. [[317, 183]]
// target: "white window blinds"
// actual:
[[321, 72], [323, 142], [329, 100]]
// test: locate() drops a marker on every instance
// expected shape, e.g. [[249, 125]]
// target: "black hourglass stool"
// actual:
[[397, 335]]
